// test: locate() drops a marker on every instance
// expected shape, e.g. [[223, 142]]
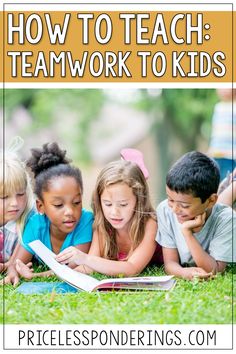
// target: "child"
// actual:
[[227, 190], [16, 202], [125, 222], [61, 221], [193, 230], [223, 134]]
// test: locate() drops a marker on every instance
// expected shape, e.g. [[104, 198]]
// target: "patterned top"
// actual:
[[8, 240], [223, 136]]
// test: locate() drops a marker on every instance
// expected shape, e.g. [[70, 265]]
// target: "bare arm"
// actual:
[[228, 196], [11, 260], [85, 247], [93, 251], [134, 265], [173, 267], [12, 274], [26, 271]]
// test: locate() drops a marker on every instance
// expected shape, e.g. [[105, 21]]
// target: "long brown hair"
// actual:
[[129, 173]]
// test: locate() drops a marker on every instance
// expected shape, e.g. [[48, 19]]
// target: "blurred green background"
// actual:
[[93, 125]]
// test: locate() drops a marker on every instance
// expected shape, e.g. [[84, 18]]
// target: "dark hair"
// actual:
[[194, 173], [50, 162]]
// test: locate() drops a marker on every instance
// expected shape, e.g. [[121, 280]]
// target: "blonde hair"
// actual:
[[13, 178], [129, 173]]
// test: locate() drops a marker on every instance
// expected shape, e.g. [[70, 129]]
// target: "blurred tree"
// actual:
[[46, 106], [181, 117]]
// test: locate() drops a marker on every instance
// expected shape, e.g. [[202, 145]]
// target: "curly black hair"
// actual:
[[50, 162]]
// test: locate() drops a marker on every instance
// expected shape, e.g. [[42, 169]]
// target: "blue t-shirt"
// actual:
[[38, 228]]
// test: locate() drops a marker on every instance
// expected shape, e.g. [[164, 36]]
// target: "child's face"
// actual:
[[62, 204], [186, 206], [118, 203], [12, 206]]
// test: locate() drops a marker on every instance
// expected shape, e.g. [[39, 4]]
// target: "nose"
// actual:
[[114, 211], [13, 200], [175, 208], [68, 210]]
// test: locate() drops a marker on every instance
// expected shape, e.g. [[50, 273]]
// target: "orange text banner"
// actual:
[[117, 46]]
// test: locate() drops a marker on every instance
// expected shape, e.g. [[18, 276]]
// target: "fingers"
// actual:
[[67, 255], [203, 275], [6, 280], [20, 264], [201, 218], [62, 257], [1, 267], [15, 280]]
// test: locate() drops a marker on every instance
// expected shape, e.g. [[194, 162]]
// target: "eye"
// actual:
[[20, 194], [123, 204], [184, 206], [58, 205], [77, 202], [4, 197], [107, 204]]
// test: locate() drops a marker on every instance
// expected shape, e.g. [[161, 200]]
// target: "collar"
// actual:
[[9, 226]]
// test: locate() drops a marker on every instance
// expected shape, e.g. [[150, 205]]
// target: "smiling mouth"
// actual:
[[116, 221], [69, 223], [13, 211]]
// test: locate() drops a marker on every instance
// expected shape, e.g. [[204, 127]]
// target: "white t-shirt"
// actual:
[[216, 236]]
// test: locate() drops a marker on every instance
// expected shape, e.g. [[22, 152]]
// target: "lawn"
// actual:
[[197, 302]]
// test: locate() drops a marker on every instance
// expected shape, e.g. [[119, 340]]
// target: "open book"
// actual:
[[88, 283]]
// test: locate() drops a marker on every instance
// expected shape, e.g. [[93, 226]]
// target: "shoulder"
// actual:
[[163, 207], [86, 216], [30, 214], [37, 227], [85, 221], [223, 213], [220, 222], [164, 213], [84, 229], [151, 225], [37, 221]]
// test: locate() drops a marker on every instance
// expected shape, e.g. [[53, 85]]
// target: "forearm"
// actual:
[[201, 258], [84, 269], [228, 196], [4, 266], [47, 273], [109, 267], [174, 268], [11, 268]]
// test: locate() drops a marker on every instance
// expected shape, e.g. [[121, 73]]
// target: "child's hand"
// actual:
[[69, 255], [192, 273], [196, 224], [2, 267], [24, 270], [12, 278]]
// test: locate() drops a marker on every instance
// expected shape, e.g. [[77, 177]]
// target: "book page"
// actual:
[[138, 283], [79, 280]]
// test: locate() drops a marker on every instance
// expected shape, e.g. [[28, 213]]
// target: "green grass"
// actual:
[[205, 302]]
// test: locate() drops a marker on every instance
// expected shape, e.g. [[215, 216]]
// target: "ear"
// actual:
[[40, 206], [212, 200]]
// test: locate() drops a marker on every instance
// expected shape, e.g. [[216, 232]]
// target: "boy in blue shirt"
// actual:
[[196, 233]]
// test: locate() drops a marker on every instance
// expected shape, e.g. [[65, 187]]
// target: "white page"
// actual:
[[79, 280], [151, 279]]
